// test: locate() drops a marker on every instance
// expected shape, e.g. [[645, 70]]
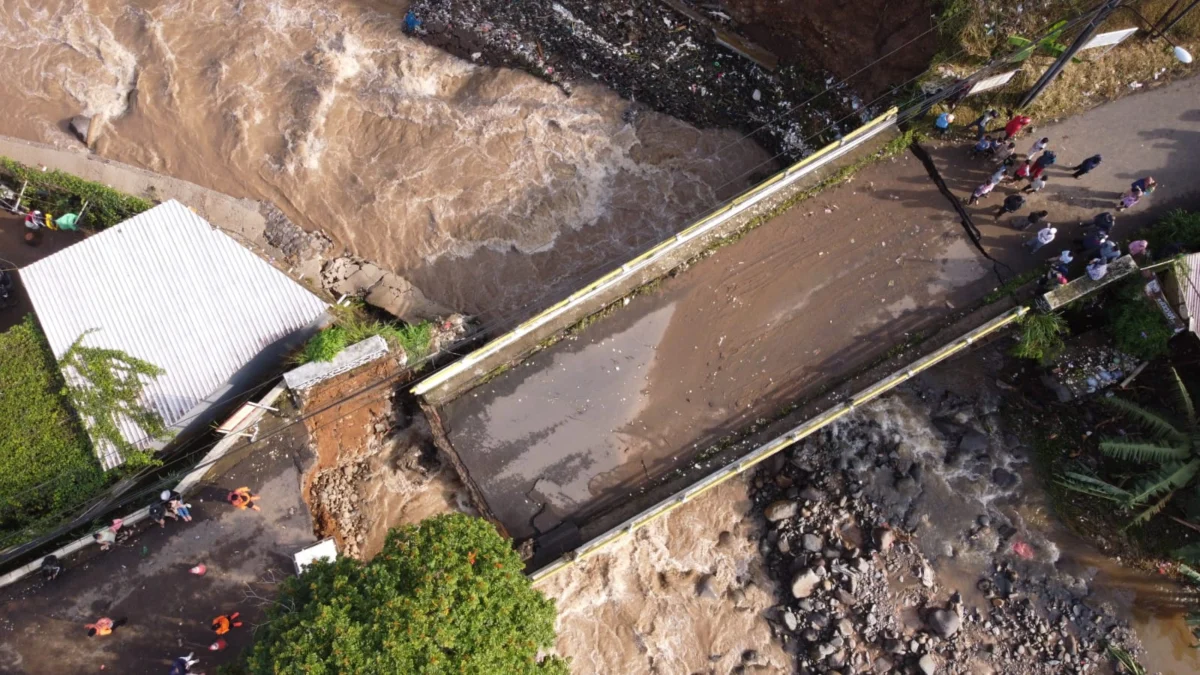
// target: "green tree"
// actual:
[[448, 596], [1166, 461]]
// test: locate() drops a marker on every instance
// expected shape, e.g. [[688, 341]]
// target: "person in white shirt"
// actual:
[[1037, 148], [1044, 236], [1097, 269]]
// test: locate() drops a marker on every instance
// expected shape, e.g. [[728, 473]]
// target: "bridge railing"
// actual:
[[518, 343]]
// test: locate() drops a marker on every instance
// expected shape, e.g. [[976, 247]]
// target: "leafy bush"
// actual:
[[1178, 226], [448, 596], [1041, 337], [1166, 458], [59, 192], [1138, 327], [46, 461], [352, 325], [110, 389]]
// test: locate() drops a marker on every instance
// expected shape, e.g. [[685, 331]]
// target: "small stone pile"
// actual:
[[848, 531], [336, 497]]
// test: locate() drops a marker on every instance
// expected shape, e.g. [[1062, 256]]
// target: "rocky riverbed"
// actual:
[[692, 64], [900, 543]]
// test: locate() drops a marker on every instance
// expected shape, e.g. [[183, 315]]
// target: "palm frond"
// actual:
[[1090, 485], [1150, 511], [1189, 572], [1185, 401], [1144, 452], [1170, 478], [1157, 425]]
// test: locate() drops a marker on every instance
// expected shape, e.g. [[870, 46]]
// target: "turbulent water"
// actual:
[[487, 187]]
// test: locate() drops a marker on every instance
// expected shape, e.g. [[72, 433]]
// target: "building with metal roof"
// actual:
[[169, 288]]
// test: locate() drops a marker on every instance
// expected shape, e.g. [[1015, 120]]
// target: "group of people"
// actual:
[[1097, 246], [170, 504]]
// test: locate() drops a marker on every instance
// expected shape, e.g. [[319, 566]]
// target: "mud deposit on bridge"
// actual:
[[789, 308]]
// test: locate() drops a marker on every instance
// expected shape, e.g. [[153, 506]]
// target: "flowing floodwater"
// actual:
[[490, 189]]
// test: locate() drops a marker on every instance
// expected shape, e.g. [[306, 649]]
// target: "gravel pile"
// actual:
[[853, 541]]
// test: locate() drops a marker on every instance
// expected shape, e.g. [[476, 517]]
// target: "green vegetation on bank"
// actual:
[[447, 596], [1156, 465], [1041, 336], [352, 324], [57, 193], [971, 32], [46, 462]]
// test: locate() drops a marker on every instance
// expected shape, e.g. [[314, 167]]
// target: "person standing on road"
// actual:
[[1048, 158], [983, 147], [1109, 251], [1015, 125], [243, 499], [998, 175], [1034, 220], [1035, 185], [943, 122], [981, 192], [1065, 258], [1005, 151], [1012, 204], [982, 122], [1037, 148], [1138, 247], [1022, 172], [1044, 236], [1146, 185], [1104, 223], [183, 665], [1129, 199], [1086, 166]]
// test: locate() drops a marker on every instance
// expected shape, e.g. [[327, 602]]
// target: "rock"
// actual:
[[845, 627], [883, 665], [812, 543], [803, 583], [725, 539], [944, 622], [927, 665], [784, 546], [1005, 479], [973, 443], [884, 538], [781, 510], [81, 126], [790, 621], [837, 659], [705, 587], [812, 495], [907, 487]]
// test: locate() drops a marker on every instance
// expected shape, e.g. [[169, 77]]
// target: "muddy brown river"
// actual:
[[495, 192]]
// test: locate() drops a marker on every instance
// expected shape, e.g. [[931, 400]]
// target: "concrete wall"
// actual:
[[510, 348]]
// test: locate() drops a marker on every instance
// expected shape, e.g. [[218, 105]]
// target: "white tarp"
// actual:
[[992, 82], [326, 549], [1109, 39]]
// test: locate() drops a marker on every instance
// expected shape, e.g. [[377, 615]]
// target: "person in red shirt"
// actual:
[[1015, 125]]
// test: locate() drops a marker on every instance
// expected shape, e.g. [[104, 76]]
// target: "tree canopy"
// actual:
[[448, 596]]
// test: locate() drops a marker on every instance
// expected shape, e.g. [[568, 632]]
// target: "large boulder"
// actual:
[[82, 127]]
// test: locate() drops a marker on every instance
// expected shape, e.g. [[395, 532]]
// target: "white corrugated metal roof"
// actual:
[[167, 287], [1189, 288]]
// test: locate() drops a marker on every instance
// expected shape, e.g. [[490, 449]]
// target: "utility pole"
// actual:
[[1085, 35]]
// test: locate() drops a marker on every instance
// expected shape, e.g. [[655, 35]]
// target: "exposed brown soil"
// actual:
[[844, 37], [376, 467]]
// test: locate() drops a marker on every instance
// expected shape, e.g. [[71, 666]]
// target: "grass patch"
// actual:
[[975, 30], [353, 324], [46, 461], [56, 192], [1041, 337], [1138, 327]]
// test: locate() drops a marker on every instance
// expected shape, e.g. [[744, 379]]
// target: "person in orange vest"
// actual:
[[223, 623], [243, 498], [103, 626]]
